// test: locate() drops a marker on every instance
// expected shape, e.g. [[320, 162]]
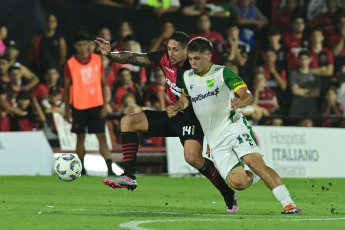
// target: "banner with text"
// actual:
[[303, 152]]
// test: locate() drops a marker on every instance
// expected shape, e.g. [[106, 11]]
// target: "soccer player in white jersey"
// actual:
[[216, 92]]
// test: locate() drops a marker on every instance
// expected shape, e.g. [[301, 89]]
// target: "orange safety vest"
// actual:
[[86, 88]]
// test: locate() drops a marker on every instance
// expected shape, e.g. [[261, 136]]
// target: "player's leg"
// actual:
[[130, 125], [191, 135], [152, 123], [273, 181], [96, 125], [79, 127], [240, 179]]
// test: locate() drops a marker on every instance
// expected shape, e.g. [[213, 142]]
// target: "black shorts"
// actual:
[[184, 125], [87, 120]]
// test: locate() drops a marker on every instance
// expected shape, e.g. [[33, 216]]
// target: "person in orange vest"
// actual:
[[86, 97]]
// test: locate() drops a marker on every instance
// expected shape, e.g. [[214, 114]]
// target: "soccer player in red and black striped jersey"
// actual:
[[155, 123]]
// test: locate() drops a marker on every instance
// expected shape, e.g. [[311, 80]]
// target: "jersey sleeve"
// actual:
[[184, 88], [232, 80], [155, 57]]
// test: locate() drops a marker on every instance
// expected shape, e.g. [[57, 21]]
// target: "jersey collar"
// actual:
[[209, 69]]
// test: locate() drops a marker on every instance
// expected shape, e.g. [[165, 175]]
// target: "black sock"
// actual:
[[109, 162], [211, 173], [83, 171], [130, 146]]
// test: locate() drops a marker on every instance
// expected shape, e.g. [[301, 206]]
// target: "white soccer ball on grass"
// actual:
[[67, 167]]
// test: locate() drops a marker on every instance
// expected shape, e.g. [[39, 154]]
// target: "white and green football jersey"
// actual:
[[211, 96]]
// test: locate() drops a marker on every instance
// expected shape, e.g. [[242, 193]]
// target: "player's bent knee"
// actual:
[[238, 179]]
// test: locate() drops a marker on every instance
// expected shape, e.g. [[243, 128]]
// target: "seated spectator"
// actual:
[[5, 120], [129, 104], [3, 35], [330, 107], [275, 42], [4, 78], [295, 42], [116, 3], [123, 85], [282, 18], [48, 48], [249, 18], [15, 86], [12, 53], [202, 7], [160, 43], [265, 97], [233, 49], [305, 87], [337, 44], [138, 73], [204, 30], [51, 78], [322, 62], [324, 19], [306, 123], [159, 7], [54, 102], [124, 30], [341, 89], [156, 91], [34, 116]]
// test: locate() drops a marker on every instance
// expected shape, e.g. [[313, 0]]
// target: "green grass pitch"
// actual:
[[186, 203]]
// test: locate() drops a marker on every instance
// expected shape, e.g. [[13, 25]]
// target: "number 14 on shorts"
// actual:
[[189, 130]]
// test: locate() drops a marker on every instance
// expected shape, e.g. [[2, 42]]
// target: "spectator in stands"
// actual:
[[295, 42], [159, 7], [202, 7], [5, 120], [54, 102], [204, 30], [282, 19], [85, 93], [233, 49], [123, 85], [51, 77], [34, 116], [138, 73], [330, 107], [124, 30], [12, 53], [4, 78], [160, 43], [275, 78], [129, 104], [341, 89], [48, 48], [305, 87], [232, 65], [116, 3], [322, 62], [265, 98], [276, 43], [3, 35], [249, 18], [156, 92], [15, 86], [324, 19], [337, 44]]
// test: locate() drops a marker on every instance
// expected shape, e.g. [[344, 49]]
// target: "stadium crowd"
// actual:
[[292, 60]]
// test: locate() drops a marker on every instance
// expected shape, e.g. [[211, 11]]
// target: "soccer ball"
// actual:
[[67, 167]]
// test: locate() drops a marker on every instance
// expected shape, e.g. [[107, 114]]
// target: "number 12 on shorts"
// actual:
[[246, 137], [188, 129]]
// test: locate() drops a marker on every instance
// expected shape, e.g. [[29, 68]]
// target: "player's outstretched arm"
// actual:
[[123, 57], [243, 97], [182, 104]]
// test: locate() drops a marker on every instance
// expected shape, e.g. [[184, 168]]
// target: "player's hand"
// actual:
[[172, 111], [104, 46], [236, 103]]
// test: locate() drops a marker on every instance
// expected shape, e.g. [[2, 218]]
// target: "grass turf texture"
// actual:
[[163, 203]]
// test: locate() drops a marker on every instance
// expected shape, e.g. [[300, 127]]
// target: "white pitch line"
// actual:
[[134, 225]]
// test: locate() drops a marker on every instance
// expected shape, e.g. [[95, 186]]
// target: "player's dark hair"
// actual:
[[303, 53], [180, 37], [199, 44]]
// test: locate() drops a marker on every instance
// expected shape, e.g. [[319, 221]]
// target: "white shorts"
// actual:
[[238, 141]]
